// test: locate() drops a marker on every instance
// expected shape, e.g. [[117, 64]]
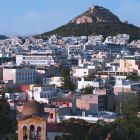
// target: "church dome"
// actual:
[[33, 107]]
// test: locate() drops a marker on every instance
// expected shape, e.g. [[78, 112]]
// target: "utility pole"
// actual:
[[120, 108]]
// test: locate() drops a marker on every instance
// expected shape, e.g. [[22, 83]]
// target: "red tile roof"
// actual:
[[53, 127]]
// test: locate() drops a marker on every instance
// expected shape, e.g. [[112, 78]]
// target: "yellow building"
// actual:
[[32, 122]]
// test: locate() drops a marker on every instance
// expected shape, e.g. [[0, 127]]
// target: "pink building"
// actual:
[[55, 112], [101, 99], [123, 87], [66, 101]]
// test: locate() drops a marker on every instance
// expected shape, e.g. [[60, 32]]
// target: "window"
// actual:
[[39, 131], [51, 115], [44, 96], [48, 96]]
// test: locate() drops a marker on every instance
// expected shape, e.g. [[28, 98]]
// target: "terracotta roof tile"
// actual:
[[53, 127]]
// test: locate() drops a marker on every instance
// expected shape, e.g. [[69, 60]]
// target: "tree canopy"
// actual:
[[65, 79], [6, 124], [88, 90]]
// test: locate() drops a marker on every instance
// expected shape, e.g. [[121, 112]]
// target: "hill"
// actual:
[[3, 37], [95, 21], [102, 28], [95, 14]]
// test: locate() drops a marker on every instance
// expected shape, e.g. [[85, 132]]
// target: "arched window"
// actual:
[[32, 132], [25, 133], [38, 132]]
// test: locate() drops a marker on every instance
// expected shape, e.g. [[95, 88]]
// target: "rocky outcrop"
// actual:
[[93, 14], [84, 19]]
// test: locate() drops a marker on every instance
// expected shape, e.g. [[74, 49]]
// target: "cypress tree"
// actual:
[[6, 124]]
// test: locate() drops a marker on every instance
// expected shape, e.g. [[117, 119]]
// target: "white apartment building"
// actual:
[[96, 83], [43, 93], [49, 80], [79, 72], [20, 75], [39, 59], [14, 96]]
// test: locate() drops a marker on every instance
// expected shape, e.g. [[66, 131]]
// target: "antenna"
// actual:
[[32, 94]]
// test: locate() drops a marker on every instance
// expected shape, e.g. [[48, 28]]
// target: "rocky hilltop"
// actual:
[[95, 14], [95, 21]]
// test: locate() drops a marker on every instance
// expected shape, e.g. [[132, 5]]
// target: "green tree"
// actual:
[[126, 21], [130, 123], [129, 105], [88, 90], [11, 136], [65, 79], [118, 134], [63, 137], [79, 129], [6, 124]]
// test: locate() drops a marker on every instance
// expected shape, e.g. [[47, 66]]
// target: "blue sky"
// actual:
[[30, 17]]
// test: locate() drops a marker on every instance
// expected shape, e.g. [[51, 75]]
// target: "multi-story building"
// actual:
[[50, 80], [41, 59], [6, 58], [43, 94], [123, 87], [101, 99], [21, 75], [130, 63], [114, 48]]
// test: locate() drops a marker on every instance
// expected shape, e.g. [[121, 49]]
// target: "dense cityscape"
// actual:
[[70, 88]]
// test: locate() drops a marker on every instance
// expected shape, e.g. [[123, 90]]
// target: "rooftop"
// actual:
[[65, 99], [53, 127]]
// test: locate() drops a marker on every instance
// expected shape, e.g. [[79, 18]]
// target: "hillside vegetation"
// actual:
[[95, 28]]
